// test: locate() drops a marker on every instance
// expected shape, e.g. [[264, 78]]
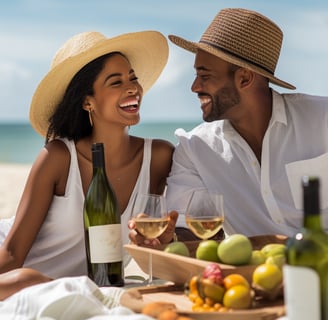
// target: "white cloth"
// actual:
[[259, 198], [59, 249], [73, 298]]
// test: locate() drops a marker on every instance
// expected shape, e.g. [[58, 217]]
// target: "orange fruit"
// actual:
[[235, 279], [238, 297]]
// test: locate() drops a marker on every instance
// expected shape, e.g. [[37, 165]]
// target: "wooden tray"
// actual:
[[179, 269], [136, 298]]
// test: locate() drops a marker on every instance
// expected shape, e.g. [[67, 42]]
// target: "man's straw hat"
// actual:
[[242, 37], [147, 52]]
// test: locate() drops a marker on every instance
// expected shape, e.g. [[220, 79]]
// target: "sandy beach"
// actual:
[[12, 182]]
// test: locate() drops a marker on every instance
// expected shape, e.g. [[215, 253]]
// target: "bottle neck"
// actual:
[[98, 159], [312, 221], [311, 204]]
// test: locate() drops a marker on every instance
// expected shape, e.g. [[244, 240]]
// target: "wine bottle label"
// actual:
[[302, 293], [105, 243]]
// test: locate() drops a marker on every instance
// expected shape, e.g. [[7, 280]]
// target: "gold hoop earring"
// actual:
[[90, 118]]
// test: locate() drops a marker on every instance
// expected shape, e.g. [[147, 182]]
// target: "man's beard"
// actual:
[[223, 100]]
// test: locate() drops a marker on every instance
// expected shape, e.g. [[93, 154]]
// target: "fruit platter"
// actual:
[[236, 278], [155, 301], [180, 268]]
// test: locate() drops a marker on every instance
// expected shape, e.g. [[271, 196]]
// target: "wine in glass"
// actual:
[[151, 219], [204, 214]]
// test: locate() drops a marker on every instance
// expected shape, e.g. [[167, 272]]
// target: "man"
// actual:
[[263, 141]]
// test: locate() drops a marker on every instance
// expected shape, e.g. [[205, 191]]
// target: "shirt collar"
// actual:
[[278, 113], [278, 108]]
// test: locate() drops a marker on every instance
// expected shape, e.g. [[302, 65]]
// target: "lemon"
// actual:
[[207, 250], [267, 276]]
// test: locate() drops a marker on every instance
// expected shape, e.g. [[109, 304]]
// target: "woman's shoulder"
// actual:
[[161, 155], [51, 167], [54, 158], [57, 149], [162, 148], [161, 161], [158, 146]]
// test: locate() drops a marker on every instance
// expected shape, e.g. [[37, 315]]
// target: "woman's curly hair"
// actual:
[[70, 120]]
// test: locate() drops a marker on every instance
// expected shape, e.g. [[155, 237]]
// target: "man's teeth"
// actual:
[[204, 101]]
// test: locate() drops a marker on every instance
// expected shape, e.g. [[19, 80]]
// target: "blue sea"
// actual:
[[19, 143]]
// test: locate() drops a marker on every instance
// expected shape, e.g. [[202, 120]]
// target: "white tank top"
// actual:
[[59, 249]]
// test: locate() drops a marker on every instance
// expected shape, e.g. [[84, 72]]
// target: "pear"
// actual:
[[211, 290], [278, 259], [273, 249], [257, 257]]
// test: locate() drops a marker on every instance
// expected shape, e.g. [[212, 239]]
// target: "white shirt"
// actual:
[[258, 199]]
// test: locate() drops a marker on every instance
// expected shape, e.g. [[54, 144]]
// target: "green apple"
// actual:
[[207, 250], [177, 247], [236, 250]]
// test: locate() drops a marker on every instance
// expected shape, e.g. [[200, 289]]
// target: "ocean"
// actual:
[[20, 144]]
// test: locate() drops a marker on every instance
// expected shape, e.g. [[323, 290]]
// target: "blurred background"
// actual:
[[31, 31]]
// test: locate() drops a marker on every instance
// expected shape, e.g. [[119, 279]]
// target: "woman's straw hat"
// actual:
[[147, 52], [242, 37]]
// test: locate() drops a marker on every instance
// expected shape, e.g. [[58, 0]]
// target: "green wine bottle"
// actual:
[[102, 223], [306, 269]]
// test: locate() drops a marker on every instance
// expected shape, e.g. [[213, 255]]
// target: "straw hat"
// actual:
[[242, 37], [147, 52]]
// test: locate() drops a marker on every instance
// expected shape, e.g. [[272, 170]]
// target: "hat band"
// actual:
[[236, 55]]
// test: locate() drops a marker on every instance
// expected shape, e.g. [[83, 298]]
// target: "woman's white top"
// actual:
[[59, 249]]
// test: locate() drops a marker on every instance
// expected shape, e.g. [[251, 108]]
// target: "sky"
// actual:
[[31, 31]]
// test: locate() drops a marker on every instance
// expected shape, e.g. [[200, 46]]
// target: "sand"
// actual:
[[12, 182]]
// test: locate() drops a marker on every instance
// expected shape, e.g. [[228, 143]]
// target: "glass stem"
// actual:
[[150, 269]]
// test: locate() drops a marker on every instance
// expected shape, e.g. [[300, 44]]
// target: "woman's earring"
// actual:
[[90, 117]]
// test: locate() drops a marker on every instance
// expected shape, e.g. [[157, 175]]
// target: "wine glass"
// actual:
[[151, 218], [204, 214]]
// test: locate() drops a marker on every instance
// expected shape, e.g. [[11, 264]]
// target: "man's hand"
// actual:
[[166, 237]]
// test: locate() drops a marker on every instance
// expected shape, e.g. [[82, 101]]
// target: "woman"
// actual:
[[91, 94]]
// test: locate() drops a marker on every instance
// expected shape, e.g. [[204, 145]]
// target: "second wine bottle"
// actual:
[[306, 269], [102, 223]]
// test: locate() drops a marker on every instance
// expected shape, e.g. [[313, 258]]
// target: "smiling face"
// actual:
[[215, 86], [117, 93]]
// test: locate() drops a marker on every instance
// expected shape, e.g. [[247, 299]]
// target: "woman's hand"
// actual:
[[166, 237]]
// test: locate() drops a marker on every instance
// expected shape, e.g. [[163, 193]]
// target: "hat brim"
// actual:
[[147, 52], [194, 46]]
